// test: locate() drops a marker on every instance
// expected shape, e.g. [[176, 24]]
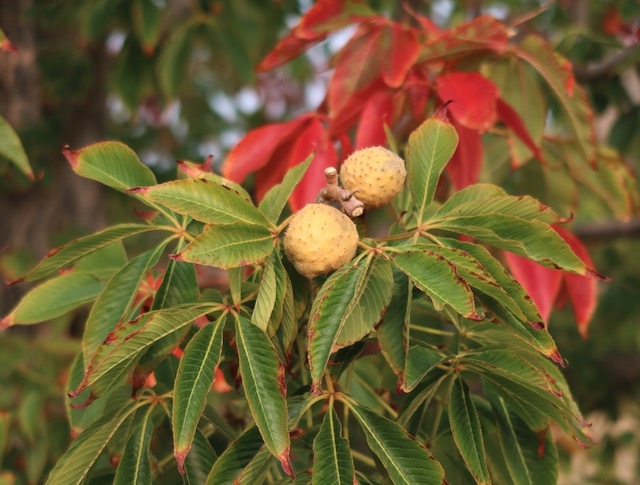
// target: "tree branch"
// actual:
[[605, 231], [606, 66]]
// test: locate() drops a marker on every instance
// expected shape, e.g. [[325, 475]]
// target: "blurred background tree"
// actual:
[[176, 79]]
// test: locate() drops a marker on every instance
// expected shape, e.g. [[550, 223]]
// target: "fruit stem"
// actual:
[[332, 192]]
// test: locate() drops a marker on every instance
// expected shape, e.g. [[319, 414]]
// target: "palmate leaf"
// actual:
[[407, 461], [332, 462], [115, 300], [481, 199], [466, 431], [120, 352], [135, 465], [267, 295], [276, 198], [420, 361], [10, 145], [265, 388], [520, 447], [105, 262], [54, 298], [229, 246], [204, 201], [532, 239], [438, 278], [72, 251], [111, 163], [193, 383], [287, 328], [331, 308], [377, 288], [429, 149], [74, 465]]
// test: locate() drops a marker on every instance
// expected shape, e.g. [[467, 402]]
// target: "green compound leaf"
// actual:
[[54, 298], [265, 388], [276, 198], [438, 278], [467, 434], [135, 465], [332, 462], [407, 461], [116, 299], [377, 288], [229, 246], [205, 201], [267, 295], [10, 145], [111, 163], [335, 301], [193, 383], [72, 251], [200, 460], [74, 465], [429, 149]]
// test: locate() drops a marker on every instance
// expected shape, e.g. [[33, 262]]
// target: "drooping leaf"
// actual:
[[235, 458], [231, 246], [438, 278], [200, 460], [532, 239], [493, 199], [256, 469], [371, 303], [135, 465], [72, 251], [179, 285], [111, 163], [10, 145], [329, 311], [267, 294], [467, 434], [276, 198], [115, 300], [265, 388], [393, 332], [407, 461], [429, 149], [54, 298], [520, 447], [74, 465], [332, 461], [377, 112], [193, 382], [119, 352], [174, 59], [474, 98], [205, 201], [147, 23]]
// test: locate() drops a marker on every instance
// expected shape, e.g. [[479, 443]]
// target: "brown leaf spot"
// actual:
[[285, 461]]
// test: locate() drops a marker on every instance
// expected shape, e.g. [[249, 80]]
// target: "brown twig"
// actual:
[[604, 231], [333, 192]]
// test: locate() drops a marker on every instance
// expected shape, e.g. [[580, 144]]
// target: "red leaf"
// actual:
[[321, 19], [425, 22], [317, 138], [377, 112], [416, 89], [398, 50], [356, 67], [258, 147], [512, 119], [465, 165], [475, 98], [542, 284], [582, 291], [347, 116]]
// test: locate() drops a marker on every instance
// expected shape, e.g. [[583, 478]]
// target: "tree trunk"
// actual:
[[30, 218]]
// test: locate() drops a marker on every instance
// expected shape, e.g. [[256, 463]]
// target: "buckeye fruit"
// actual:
[[320, 239], [375, 174]]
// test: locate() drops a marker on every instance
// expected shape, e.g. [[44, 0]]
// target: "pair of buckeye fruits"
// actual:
[[322, 237]]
